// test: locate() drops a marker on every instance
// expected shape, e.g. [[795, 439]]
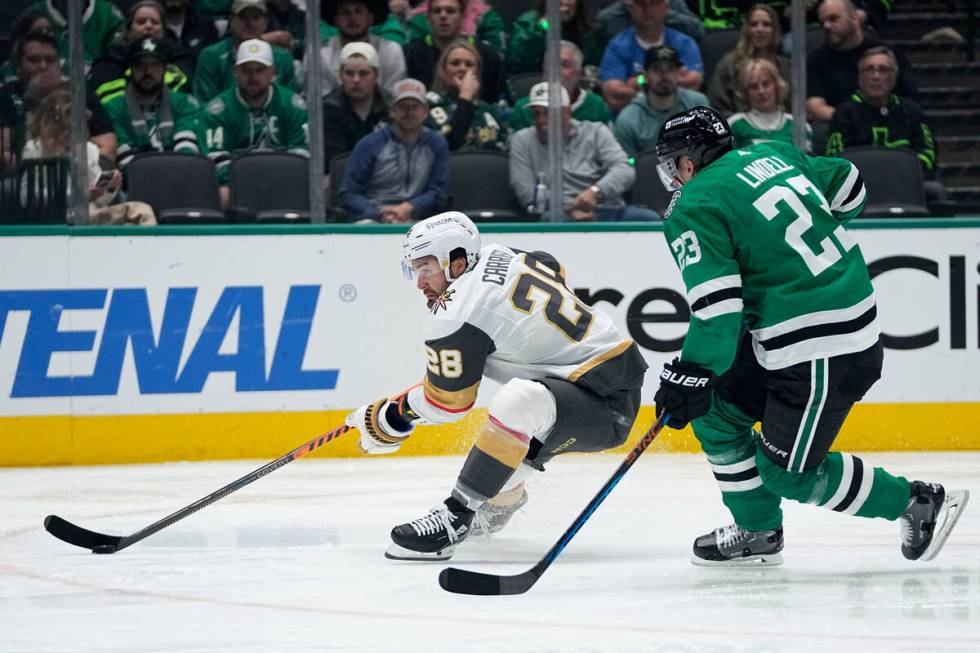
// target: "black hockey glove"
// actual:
[[684, 392]]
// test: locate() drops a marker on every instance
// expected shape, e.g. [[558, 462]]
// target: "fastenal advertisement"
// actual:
[[237, 343]]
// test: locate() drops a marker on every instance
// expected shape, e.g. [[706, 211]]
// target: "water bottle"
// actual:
[[539, 204]]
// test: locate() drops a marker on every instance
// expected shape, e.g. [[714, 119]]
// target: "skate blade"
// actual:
[[750, 562], [949, 514], [396, 552]]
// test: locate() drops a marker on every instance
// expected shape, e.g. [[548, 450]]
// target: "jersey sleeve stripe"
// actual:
[[713, 285], [449, 401], [720, 302], [850, 194]]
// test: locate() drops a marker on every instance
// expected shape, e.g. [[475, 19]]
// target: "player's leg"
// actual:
[[730, 445], [522, 412], [807, 406]]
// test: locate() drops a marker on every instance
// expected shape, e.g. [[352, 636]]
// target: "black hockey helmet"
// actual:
[[700, 133]]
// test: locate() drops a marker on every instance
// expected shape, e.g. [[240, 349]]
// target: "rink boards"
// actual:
[[119, 345]]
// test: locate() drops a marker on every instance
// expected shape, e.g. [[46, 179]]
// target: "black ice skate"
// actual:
[[432, 537], [931, 514], [734, 546], [493, 515]]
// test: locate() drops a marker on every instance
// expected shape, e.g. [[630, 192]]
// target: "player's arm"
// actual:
[[841, 183], [454, 370]]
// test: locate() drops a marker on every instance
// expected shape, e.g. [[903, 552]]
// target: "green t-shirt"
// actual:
[[228, 125], [759, 237], [215, 71], [100, 24], [751, 127], [185, 110], [589, 107]]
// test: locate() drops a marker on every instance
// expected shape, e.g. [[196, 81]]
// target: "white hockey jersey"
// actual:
[[512, 316]]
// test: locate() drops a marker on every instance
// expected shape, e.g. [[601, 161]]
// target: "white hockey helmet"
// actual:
[[439, 236]]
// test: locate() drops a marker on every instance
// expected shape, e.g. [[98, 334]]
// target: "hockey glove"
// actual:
[[378, 435], [684, 392]]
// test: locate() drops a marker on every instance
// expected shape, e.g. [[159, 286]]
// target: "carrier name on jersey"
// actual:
[[498, 263]]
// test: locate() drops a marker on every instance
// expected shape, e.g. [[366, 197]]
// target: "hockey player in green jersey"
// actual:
[[783, 331]]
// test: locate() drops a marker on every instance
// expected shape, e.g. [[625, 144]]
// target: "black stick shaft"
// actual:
[[72, 534]]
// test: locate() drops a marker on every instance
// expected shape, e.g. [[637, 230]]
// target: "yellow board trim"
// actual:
[[93, 440]]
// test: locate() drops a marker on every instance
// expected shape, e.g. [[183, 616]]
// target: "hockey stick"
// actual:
[[101, 543], [461, 581]]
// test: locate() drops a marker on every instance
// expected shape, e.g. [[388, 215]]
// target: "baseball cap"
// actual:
[[148, 48], [360, 49], [661, 54], [241, 5], [539, 96], [409, 88], [254, 50]]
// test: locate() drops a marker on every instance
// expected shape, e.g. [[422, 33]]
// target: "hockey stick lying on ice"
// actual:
[[101, 543], [461, 581]]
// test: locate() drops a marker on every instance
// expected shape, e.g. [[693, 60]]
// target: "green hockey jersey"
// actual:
[[180, 135], [215, 71], [101, 21], [229, 125], [759, 238]]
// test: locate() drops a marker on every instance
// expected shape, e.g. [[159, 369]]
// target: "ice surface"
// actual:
[[294, 563]]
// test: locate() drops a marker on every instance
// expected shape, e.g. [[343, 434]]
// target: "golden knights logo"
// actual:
[[444, 298]]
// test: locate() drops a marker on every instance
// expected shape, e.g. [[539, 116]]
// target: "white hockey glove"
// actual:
[[377, 435]]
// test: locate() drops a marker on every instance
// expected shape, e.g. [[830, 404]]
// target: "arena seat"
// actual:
[[479, 186], [893, 179], [181, 188], [270, 187]]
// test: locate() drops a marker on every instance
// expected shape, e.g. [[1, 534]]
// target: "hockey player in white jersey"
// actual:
[[570, 380]]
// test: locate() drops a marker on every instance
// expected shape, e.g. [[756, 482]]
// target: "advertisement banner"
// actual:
[[117, 330]]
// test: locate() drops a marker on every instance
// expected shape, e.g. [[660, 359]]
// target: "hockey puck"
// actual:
[[104, 548]]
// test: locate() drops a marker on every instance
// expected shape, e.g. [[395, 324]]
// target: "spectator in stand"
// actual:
[[875, 115], [147, 116], [29, 22], [764, 91], [832, 74], [479, 21], [586, 105], [455, 108], [398, 173], [145, 19], [762, 38], [595, 173], [614, 18], [393, 28], [38, 69], [354, 18], [526, 49], [255, 114], [193, 29], [638, 125], [287, 27], [216, 68], [356, 108], [101, 21], [51, 138], [622, 62], [422, 54]]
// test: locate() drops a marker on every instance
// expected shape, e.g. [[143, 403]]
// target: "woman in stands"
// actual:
[[525, 53], [762, 38], [764, 91], [145, 19], [455, 107]]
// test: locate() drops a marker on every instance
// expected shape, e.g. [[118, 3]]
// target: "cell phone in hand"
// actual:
[[104, 178]]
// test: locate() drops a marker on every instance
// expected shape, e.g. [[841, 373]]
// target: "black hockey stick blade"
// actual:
[[66, 531], [462, 581]]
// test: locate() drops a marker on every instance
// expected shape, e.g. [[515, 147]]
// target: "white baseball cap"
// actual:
[[254, 50], [409, 88], [539, 96], [241, 5], [360, 49]]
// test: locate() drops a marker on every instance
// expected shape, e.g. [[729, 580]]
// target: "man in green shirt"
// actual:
[[255, 114], [586, 105], [147, 116], [215, 67], [101, 21], [783, 331]]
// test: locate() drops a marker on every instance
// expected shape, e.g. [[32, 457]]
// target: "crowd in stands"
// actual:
[[406, 84]]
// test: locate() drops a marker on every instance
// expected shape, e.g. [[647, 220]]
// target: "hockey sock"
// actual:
[[730, 445], [495, 455], [843, 483]]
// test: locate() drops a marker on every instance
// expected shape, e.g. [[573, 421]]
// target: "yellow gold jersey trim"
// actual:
[[457, 401], [501, 445], [598, 360]]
